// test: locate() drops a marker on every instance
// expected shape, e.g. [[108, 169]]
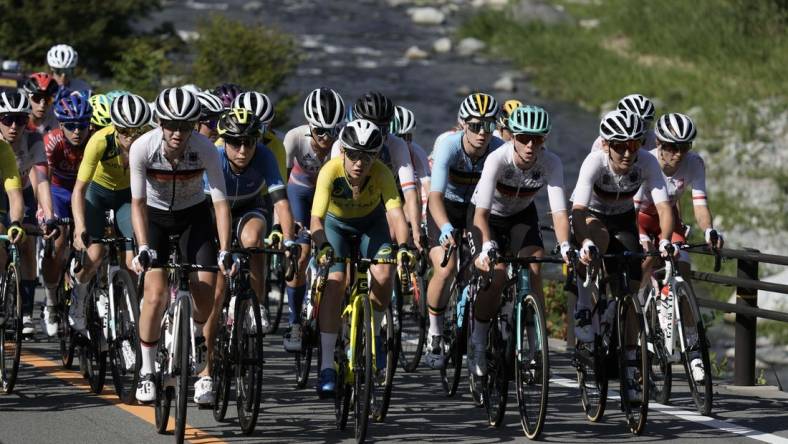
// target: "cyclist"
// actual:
[[505, 218], [402, 126], [64, 148], [211, 108], [167, 166], [603, 213], [458, 160], [308, 147], [41, 89], [352, 194], [101, 112], [62, 60], [31, 162], [103, 184], [227, 92], [643, 107], [503, 131], [263, 108], [250, 172], [12, 183]]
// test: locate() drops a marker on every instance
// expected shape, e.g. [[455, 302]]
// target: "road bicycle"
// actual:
[[411, 313]]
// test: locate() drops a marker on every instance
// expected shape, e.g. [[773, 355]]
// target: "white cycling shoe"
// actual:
[[50, 321], [146, 389], [434, 357], [203, 390]]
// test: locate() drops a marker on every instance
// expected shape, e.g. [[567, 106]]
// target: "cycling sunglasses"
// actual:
[[241, 141], [476, 127], [630, 145], [10, 119], [355, 156], [63, 71], [39, 97], [73, 126], [676, 147], [177, 125], [326, 133], [131, 132]]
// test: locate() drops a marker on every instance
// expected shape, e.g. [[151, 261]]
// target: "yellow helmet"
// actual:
[[101, 110], [238, 122], [508, 107]]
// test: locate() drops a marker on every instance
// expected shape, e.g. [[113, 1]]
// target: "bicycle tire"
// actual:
[[532, 366], [309, 338], [496, 387], [362, 371], [388, 337], [183, 337], [221, 366], [413, 321], [95, 358], [11, 330], [248, 362], [635, 409], [476, 384], [275, 300], [344, 391], [592, 380], [660, 373], [454, 341], [702, 393], [64, 332], [125, 375], [164, 394]]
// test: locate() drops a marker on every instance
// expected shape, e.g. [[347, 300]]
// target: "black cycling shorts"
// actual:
[[457, 213], [503, 230], [198, 235], [623, 233]]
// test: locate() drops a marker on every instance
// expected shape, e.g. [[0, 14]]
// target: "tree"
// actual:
[[141, 68]]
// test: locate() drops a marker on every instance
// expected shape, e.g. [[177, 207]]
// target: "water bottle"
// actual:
[[461, 306]]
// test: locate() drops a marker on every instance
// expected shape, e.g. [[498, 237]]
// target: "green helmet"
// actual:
[[529, 119]]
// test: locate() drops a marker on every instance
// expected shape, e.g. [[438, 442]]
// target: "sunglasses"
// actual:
[[131, 132], [177, 125], [527, 138], [10, 119], [241, 141], [326, 133], [73, 126], [355, 156], [38, 98], [476, 127], [674, 148], [62, 71], [630, 145]]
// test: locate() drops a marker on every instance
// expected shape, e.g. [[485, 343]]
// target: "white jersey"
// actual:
[[603, 191], [395, 155], [302, 160], [691, 171], [648, 145], [179, 186], [421, 165], [505, 189]]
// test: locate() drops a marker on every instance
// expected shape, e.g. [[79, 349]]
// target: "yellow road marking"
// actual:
[[146, 413]]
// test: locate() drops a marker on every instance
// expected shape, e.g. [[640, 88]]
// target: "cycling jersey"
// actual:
[[103, 161], [302, 160], [29, 151], [8, 169], [179, 186], [505, 189], [63, 159], [453, 172], [48, 123], [334, 195], [260, 177], [396, 156], [691, 171], [274, 144], [418, 157], [649, 144], [603, 191]]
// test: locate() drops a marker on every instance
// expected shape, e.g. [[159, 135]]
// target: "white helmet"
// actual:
[[479, 105], [210, 105], [62, 57], [675, 128], [638, 104], [129, 111], [14, 102], [177, 104], [404, 119], [324, 108], [361, 135], [621, 125], [257, 103], [192, 87]]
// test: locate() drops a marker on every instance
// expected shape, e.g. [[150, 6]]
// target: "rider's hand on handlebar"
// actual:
[[405, 256], [50, 229], [324, 252], [446, 238], [711, 234], [276, 236], [15, 232], [143, 260], [79, 236], [565, 248], [228, 263], [666, 248], [483, 261], [588, 251]]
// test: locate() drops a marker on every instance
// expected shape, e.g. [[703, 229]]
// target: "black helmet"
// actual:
[[238, 122], [375, 107]]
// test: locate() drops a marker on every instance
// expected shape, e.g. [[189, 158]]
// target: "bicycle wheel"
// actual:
[[532, 367], [10, 329], [381, 397], [124, 349], [592, 379], [476, 384], [248, 362], [695, 350], [455, 344], [660, 373], [413, 322], [274, 302], [182, 337], [303, 358], [344, 391], [65, 334], [496, 388], [362, 371], [94, 350], [633, 372], [221, 365], [164, 392]]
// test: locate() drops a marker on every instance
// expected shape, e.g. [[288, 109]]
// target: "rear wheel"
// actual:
[[384, 380], [94, 354], [454, 344], [274, 302], [362, 371], [164, 392], [695, 348], [221, 366], [248, 362], [660, 374], [182, 336], [497, 387], [532, 368], [413, 319], [124, 350], [633, 365], [10, 328]]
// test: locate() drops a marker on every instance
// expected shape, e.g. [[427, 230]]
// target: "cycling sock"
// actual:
[[480, 330], [28, 291], [327, 343], [51, 294], [436, 324], [148, 357], [295, 300]]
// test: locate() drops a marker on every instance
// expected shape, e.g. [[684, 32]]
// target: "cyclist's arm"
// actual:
[[12, 182], [439, 181], [318, 233], [139, 209], [78, 209], [557, 199], [413, 211], [484, 194], [217, 187], [397, 218], [655, 183], [390, 198], [320, 206], [700, 205], [224, 222], [581, 198], [481, 217], [285, 215], [39, 177]]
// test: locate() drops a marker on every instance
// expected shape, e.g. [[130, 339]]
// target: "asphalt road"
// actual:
[[50, 404]]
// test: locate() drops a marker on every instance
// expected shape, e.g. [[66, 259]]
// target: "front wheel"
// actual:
[[182, 336], [633, 365], [65, 334], [532, 368], [94, 354], [384, 378], [454, 344], [362, 371], [695, 348], [660, 374], [248, 362], [222, 365], [164, 392], [496, 389], [124, 351], [274, 301], [413, 321], [10, 328]]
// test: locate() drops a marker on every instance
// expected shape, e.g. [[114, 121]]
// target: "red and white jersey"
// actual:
[[690, 173]]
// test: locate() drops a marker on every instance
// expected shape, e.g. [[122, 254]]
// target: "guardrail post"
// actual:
[[744, 360]]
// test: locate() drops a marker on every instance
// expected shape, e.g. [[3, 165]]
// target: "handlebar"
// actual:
[[447, 254]]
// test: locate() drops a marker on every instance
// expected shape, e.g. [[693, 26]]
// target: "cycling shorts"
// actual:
[[61, 201], [457, 213], [197, 242], [300, 198], [373, 235], [99, 200], [620, 227], [648, 228], [509, 232], [257, 209]]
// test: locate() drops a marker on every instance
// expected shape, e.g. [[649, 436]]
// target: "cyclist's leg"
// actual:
[[585, 325], [27, 271], [300, 198], [251, 228], [122, 207], [376, 241]]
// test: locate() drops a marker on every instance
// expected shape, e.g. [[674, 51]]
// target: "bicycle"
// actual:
[[411, 316], [177, 352], [310, 330], [274, 301], [590, 359], [667, 313], [10, 318]]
